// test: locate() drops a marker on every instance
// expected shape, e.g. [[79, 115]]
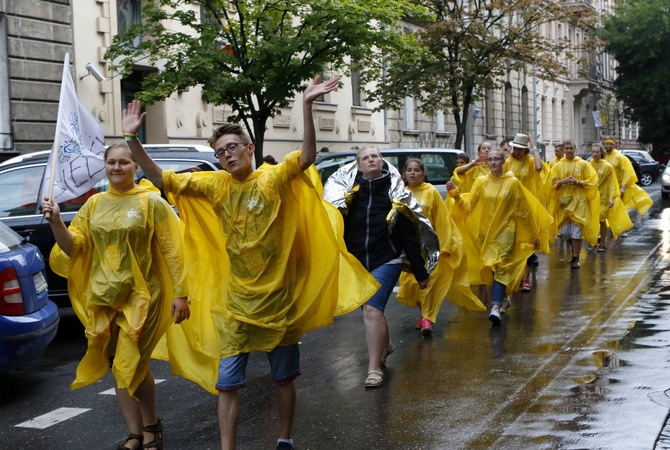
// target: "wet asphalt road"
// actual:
[[581, 362]]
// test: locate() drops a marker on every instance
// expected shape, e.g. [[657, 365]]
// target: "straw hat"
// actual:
[[520, 140]]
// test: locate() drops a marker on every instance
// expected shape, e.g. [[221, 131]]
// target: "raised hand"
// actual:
[[317, 88], [132, 117]]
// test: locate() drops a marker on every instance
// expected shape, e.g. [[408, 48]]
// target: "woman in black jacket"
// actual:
[[380, 240]]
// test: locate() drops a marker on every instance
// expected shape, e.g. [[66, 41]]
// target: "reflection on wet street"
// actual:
[[573, 366]]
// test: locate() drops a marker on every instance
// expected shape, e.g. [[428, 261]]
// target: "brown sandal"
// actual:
[[157, 430], [131, 437]]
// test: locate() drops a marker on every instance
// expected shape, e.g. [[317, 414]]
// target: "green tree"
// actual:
[[253, 55], [638, 36], [470, 45]]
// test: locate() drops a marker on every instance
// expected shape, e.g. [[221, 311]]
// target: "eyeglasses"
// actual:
[[230, 148], [494, 159]]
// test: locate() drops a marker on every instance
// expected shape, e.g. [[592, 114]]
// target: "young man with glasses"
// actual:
[[252, 262]]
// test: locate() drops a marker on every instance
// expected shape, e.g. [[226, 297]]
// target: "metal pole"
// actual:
[[535, 136]]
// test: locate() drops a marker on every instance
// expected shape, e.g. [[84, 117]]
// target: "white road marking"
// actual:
[[112, 392], [54, 417]]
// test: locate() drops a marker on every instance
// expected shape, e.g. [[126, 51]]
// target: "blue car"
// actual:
[[28, 319]]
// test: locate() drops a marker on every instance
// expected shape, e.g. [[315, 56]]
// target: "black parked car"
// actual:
[[649, 171], [20, 184]]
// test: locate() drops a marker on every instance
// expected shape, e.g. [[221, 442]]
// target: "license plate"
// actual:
[[40, 282]]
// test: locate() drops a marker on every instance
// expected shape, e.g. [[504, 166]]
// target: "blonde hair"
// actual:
[[368, 147]]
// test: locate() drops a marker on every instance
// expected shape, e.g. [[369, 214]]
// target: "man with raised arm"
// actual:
[[262, 256]]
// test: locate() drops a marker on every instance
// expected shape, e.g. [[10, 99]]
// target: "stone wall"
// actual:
[[38, 34]]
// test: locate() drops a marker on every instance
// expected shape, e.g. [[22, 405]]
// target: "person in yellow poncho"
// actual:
[[384, 229], [502, 224], [558, 155], [123, 259], [262, 255], [632, 195], [505, 147], [464, 176], [527, 165], [450, 276], [575, 202], [462, 159], [612, 210]]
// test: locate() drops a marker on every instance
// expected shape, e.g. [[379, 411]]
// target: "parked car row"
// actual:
[[20, 183]]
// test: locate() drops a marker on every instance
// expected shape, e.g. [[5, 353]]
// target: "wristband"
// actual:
[[130, 137]]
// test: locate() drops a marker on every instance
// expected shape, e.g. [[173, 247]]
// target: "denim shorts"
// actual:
[[387, 275], [284, 367]]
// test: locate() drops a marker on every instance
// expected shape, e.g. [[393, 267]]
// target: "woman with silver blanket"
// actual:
[[385, 230]]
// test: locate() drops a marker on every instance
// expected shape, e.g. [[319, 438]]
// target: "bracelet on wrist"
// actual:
[[130, 137]]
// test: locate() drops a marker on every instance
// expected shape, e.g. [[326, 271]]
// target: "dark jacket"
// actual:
[[366, 231]]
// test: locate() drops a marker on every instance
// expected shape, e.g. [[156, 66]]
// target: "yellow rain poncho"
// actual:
[[538, 182], [449, 278], [500, 221], [634, 196], [464, 182], [617, 217], [577, 204], [554, 161], [262, 255], [124, 270]]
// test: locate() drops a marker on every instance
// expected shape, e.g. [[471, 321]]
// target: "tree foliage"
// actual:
[[637, 35], [252, 55], [470, 45]]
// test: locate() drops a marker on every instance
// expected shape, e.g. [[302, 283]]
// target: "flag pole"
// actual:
[[54, 159]]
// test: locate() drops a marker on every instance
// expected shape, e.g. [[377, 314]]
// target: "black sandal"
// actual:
[[157, 430], [131, 437]]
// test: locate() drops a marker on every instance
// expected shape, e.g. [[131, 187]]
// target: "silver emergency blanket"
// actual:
[[340, 189]]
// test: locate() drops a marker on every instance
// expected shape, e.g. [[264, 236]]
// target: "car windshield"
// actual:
[[9, 240]]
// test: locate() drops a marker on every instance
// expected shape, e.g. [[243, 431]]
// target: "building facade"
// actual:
[[36, 34], [580, 106]]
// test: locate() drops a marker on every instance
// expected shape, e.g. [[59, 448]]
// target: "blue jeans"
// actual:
[[387, 275], [498, 293], [284, 367]]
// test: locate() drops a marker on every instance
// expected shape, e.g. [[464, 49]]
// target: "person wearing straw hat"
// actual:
[[527, 165]]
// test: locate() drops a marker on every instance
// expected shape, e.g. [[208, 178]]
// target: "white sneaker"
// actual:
[[494, 316], [507, 302]]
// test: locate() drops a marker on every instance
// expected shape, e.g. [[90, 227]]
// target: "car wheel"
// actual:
[[646, 179]]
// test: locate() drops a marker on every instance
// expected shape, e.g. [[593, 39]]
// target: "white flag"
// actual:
[[597, 119], [79, 146]]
